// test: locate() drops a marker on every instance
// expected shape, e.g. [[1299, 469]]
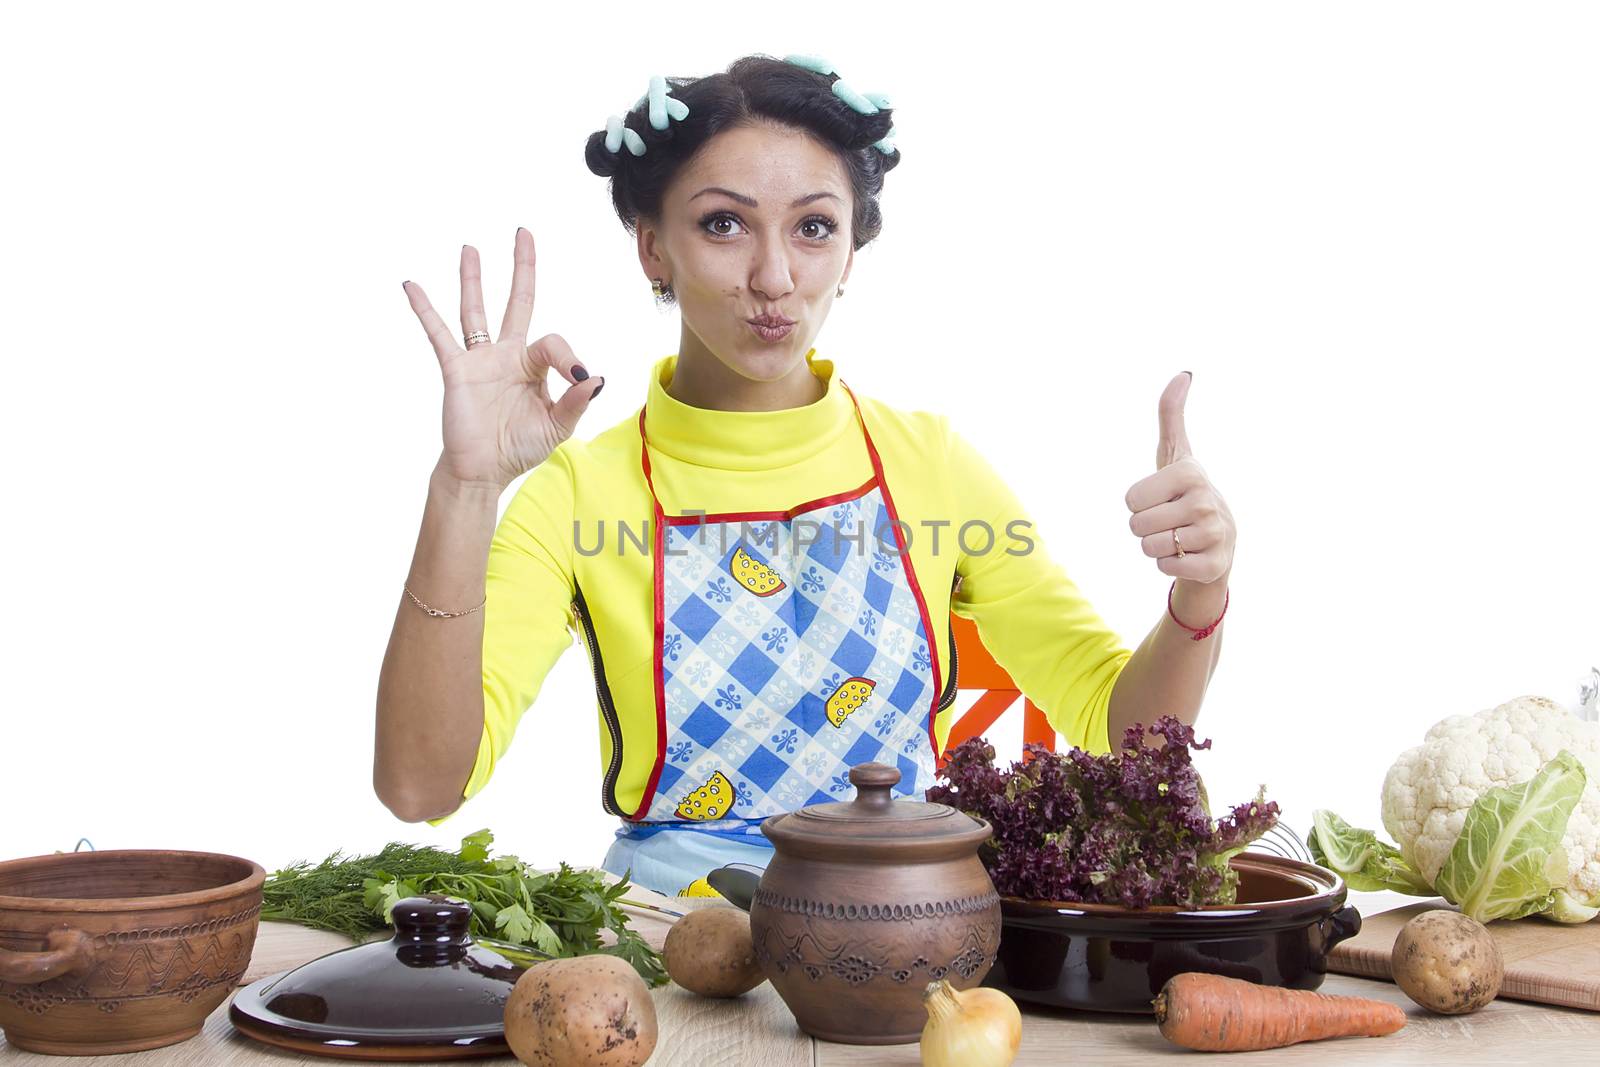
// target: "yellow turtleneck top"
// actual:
[[546, 583]]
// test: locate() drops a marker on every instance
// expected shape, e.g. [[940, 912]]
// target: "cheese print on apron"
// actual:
[[781, 664]]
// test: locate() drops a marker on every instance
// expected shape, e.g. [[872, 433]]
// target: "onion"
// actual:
[[973, 1028]]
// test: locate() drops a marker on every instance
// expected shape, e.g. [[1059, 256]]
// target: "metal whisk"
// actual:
[[1281, 841]]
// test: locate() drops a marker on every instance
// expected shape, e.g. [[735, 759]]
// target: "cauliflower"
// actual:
[[1497, 812], [1430, 788]]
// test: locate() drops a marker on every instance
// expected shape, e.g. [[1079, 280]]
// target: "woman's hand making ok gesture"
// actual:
[[499, 418]]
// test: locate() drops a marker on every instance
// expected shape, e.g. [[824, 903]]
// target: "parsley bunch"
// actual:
[[548, 914]]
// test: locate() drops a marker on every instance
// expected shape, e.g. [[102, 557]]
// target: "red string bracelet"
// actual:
[[1201, 634]]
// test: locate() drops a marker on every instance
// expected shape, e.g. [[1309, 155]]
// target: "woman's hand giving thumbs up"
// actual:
[[1178, 515]]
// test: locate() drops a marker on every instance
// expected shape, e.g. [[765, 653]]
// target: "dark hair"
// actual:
[[754, 89]]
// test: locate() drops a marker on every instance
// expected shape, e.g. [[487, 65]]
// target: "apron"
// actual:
[[790, 646]]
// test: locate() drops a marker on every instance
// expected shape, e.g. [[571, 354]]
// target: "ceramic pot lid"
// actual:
[[429, 992], [875, 823]]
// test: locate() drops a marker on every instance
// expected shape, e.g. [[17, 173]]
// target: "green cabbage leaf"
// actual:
[[1366, 863], [1508, 861]]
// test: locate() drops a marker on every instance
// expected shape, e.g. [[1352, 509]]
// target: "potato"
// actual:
[[588, 1011], [1447, 962], [709, 951]]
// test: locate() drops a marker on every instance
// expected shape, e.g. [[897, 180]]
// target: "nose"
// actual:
[[770, 275]]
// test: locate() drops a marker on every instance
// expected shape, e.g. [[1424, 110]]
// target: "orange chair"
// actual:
[[976, 669]]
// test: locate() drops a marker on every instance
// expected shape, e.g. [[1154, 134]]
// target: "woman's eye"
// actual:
[[714, 223], [827, 226]]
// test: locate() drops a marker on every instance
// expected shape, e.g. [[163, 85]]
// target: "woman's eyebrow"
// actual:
[[750, 201]]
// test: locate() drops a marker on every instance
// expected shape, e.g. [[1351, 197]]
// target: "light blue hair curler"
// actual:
[[617, 134], [813, 63], [663, 109], [864, 103], [662, 105]]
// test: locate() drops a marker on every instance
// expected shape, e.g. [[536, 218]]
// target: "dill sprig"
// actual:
[[554, 913]]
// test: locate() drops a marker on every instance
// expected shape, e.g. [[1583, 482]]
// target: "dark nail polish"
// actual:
[[579, 373], [597, 389]]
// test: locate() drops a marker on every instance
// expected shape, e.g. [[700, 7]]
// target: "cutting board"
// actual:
[[1545, 961]]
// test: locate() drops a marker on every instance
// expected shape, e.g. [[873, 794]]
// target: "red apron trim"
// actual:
[[657, 546], [911, 574]]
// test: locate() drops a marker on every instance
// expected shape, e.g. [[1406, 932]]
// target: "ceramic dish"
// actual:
[[1099, 957], [124, 950]]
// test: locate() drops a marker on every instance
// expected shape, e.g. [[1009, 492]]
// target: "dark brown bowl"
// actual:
[[1099, 957], [120, 951]]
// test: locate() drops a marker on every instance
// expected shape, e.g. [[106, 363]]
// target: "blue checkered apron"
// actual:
[[790, 647]]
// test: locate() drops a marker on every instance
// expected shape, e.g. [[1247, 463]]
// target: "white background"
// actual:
[[1370, 230]]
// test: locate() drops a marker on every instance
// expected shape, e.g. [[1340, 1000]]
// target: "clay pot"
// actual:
[[867, 902], [120, 951]]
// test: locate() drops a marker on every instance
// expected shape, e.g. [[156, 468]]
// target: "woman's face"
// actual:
[[757, 224]]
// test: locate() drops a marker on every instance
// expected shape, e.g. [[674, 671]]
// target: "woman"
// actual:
[[760, 563]]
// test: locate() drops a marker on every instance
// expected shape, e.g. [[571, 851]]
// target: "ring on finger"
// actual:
[[1179, 543], [477, 337]]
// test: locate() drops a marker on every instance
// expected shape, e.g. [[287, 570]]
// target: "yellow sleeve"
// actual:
[[527, 615], [1030, 616]]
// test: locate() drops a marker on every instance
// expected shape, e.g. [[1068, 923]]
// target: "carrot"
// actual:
[[1216, 1014]]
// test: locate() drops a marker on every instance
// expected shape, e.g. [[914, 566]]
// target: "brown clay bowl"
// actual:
[[120, 951], [1099, 957]]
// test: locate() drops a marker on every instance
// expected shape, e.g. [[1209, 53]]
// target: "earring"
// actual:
[[841, 290], [655, 287]]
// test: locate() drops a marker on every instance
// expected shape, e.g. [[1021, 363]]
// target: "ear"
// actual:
[[650, 252], [848, 262]]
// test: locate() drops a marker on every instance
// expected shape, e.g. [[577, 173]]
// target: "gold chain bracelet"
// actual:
[[435, 612]]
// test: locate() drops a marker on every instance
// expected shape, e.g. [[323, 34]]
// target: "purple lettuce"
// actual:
[[1130, 827]]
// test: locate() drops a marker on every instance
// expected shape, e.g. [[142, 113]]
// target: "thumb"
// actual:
[[566, 411], [1173, 444]]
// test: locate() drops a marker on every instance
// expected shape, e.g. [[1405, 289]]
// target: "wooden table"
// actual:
[[758, 1029]]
